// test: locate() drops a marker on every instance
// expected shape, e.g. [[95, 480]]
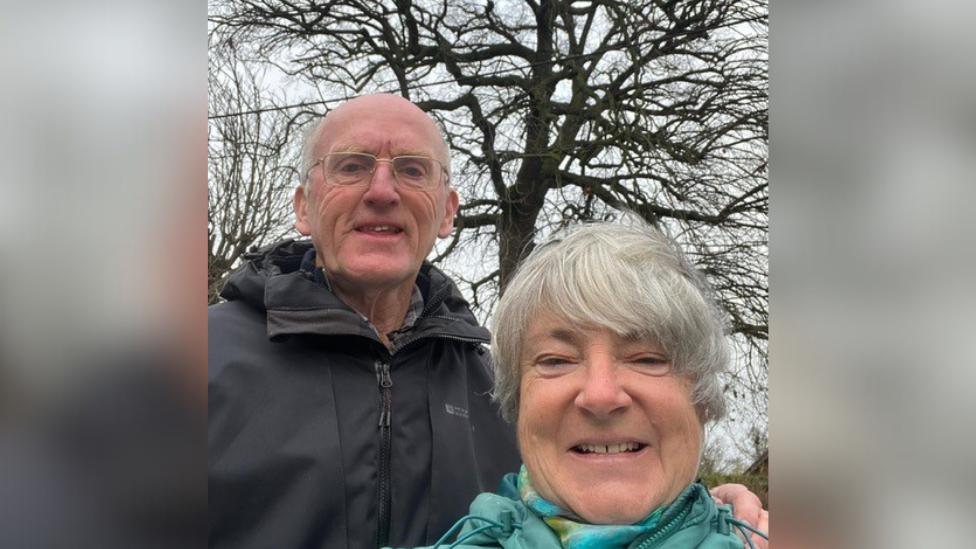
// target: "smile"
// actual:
[[623, 447], [380, 229]]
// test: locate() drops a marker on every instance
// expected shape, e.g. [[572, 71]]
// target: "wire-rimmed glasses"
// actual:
[[351, 169]]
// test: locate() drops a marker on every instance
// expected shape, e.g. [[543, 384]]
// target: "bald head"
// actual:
[[388, 107]]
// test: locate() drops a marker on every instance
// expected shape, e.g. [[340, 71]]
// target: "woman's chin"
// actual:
[[615, 504], [613, 515], [614, 510]]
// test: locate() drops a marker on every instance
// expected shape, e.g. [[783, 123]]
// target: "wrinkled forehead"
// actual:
[[380, 128], [575, 327]]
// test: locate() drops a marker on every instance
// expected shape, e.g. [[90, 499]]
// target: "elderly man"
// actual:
[[348, 387]]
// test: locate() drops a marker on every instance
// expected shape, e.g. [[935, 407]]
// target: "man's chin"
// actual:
[[380, 272]]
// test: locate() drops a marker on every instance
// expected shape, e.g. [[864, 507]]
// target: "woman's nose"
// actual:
[[602, 393]]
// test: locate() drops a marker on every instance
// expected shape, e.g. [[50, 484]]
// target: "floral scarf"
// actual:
[[574, 534]]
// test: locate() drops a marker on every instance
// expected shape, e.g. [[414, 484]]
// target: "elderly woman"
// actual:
[[608, 350]]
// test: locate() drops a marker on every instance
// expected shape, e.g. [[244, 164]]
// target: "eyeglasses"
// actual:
[[354, 169]]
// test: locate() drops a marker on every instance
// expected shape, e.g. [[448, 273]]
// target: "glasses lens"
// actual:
[[418, 172], [349, 168], [415, 171]]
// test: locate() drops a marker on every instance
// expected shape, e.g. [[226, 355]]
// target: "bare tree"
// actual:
[[560, 111], [251, 168]]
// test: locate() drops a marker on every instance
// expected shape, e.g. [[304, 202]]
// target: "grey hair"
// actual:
[[629, 279], [442, 132], [314, 133], [308, 148]]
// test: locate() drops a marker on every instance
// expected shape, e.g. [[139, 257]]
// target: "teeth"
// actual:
[[608, 449], [380, 229]]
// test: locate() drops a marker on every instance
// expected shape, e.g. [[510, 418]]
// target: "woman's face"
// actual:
[[606, 430]]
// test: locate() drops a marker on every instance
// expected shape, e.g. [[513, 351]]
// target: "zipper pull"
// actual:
[[386, 381], [386, 394]]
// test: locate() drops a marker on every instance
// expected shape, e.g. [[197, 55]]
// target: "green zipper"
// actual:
[[666, 530]]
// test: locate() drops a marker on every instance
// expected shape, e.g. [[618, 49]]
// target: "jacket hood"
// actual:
[[248, 283], [272, 281]]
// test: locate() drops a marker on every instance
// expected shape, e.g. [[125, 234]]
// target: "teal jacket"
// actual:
[[503, 521]]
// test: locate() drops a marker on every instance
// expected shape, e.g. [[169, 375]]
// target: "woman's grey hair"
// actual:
[[625, 277]]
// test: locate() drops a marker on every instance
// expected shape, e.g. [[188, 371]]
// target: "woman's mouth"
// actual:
[[619, 448]]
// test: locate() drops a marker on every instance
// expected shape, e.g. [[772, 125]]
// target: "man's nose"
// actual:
[[603, 393], [382, 188]]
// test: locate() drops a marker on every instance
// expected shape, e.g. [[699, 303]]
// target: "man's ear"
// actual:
[[447, 224], [301, 210]]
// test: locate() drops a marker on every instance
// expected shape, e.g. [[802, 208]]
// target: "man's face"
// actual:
[[375, 237]]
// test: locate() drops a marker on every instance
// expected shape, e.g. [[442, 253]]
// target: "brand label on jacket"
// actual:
[[456, 411]]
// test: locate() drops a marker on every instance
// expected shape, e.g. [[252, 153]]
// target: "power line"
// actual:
[[424, 85]]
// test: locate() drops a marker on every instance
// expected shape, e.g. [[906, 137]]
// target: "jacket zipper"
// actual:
[[407, 343], [665, 530], [386, 443], [385, 382]]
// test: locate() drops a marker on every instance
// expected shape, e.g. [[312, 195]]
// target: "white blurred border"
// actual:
[[873, 132]]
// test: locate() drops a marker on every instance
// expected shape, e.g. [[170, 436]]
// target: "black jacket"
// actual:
[[298, 437]]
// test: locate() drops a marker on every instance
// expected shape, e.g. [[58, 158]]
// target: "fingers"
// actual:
[[759, 541], [763, 525], [746, 507]]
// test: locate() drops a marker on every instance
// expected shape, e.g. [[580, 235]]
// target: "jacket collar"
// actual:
[[274, 282]]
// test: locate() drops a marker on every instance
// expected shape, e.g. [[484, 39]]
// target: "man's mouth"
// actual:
[[620, 448], [380, 229]]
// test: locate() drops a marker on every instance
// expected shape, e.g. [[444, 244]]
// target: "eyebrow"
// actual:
[[348, 148], [635, 337], [564, 335], [567, 335], [417, 152]]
